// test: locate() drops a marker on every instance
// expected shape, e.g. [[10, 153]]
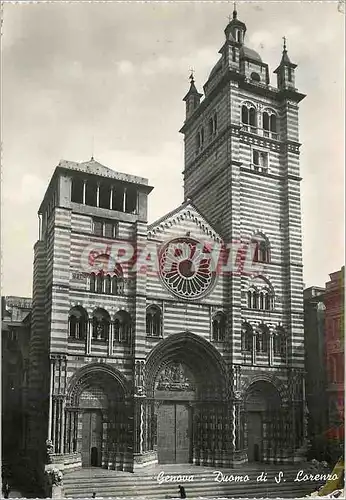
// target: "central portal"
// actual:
[[92, 439], [174, 391], [174, 434]]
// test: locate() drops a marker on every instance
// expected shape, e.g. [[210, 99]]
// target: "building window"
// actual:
[[212, 126], [154, 321], [249, 118], [122, 327], [262, 341], [280, 343], [234, 55], [108, 229], [263, 299], [261, 248], [289, 74], [110, 283], [219, 327], [246, 338], [100, 325], [77, 323], [269, 124], [260, 160], [77, 189]]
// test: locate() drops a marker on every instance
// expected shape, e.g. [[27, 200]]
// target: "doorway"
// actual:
[[92, 439], [174, 433], [255, 437]]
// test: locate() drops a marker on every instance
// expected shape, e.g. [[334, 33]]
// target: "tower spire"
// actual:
[[235, 14], [284, 39]]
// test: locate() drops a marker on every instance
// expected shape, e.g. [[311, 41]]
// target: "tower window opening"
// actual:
[[234, 55], [244, 115], [118, 198], [122, 327], [104, 200], [246, 338], [77, 189], [90, 194], [261, 249], [108, 229], [260, 160], [154, 322], [253, 119], [273, 123], [289, 74], [131, 200], [219, 327]]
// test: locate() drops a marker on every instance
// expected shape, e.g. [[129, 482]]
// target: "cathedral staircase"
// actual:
[[105, 483]]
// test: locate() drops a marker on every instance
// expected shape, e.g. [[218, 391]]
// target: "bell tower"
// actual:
[[244, 178]]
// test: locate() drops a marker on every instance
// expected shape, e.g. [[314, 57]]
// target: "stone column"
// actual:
[[271, 346], [98, 195], [88, 337], [84, 191], [124, 200], [50, 418], [111, 199], [254, 335], [110, 338]]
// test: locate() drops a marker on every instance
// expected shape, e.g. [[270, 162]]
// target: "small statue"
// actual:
[[50, 450]]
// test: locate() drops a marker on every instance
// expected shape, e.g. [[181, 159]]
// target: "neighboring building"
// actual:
[[315, 366], [15, 337], [187, 364], [335, 357]]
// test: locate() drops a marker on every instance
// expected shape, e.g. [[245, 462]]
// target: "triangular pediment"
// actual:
[[184, 219]]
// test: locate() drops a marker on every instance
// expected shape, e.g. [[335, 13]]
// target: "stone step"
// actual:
[[200, 487]]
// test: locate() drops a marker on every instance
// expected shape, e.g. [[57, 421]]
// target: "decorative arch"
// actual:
[[196, 353], [260, 294], [77, 322], [219, 325], [100, 324], [86, 375], [153, 321], [266, 377], [246, 337], [262, 247], [123, 327]]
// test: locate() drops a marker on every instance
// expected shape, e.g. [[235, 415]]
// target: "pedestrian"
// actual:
[[6, 489], [182, 491], [94, 495]]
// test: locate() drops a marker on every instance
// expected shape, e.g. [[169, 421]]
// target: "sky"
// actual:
[[107, 79]]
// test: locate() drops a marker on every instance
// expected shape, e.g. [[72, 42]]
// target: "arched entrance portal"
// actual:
[[262, 408], [175, 389], [186, 384], [98, 418]]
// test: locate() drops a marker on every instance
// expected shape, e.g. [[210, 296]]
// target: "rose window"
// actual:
[[185, 268]]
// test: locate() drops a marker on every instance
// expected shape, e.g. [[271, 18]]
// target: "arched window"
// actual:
[[262, 340], [250, 299], [219, 327], [261, 249], [99, 283], [273, 123], [261, 300], [280, 343], [244, 115], [154, 321], [92, 282], [78, 323], [252, 117], [101, 325], [122, 327], [107, 282], [246, 338], [266, 121], [117, 281]]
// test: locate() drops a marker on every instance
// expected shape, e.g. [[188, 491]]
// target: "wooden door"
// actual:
[[173, 436], [254, 436], [92, 439]]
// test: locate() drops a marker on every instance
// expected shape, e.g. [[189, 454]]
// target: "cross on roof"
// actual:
[[284, 39], [192, 72]]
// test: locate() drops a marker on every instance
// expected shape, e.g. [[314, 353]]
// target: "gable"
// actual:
[[183, 221]]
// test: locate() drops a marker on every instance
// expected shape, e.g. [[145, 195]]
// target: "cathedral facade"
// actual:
[[159, 354]]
